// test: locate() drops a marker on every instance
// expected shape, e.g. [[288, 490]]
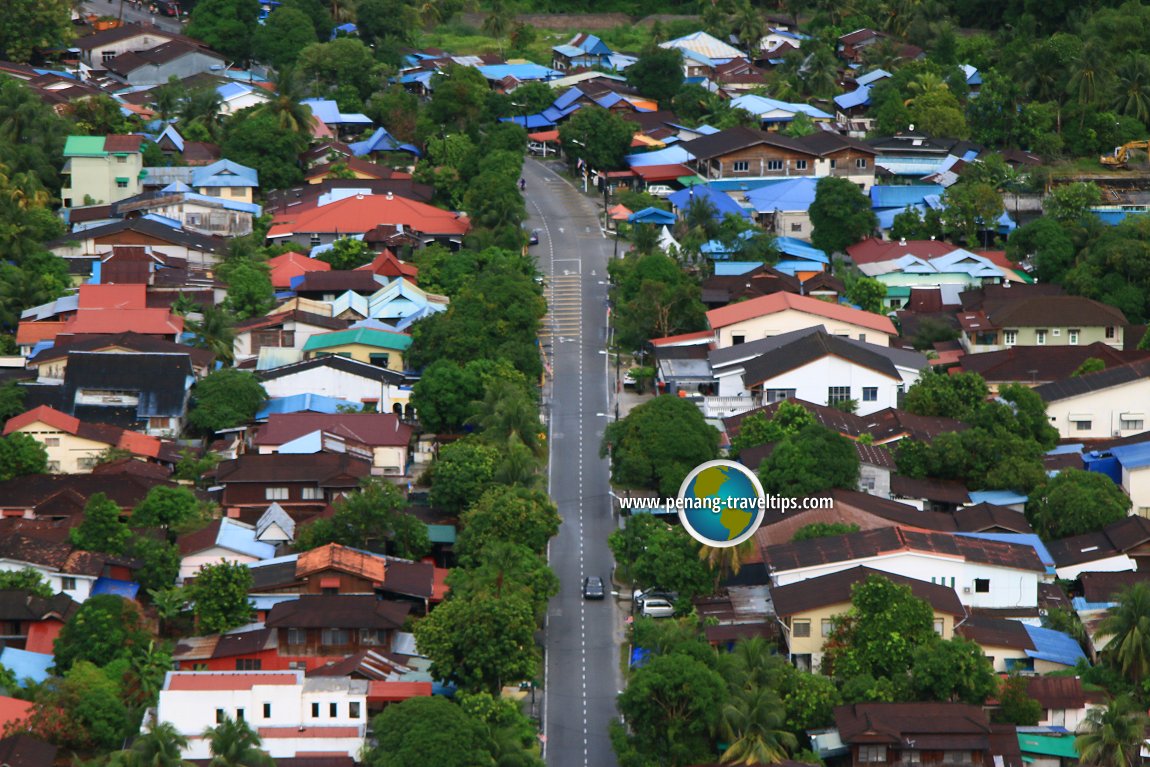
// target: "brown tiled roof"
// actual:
[[200, 540], [22, 605], [367, 664], [1056, 692], [414, 579], [841, 421], [244, 643], [1105, 586], [871, 543], [338, 611], [835, 589], [1091, 382], [987, 517], [121, 143], [374, 429], [123, 32], [996, 632], [1052, 311], [734, 139], [125, 488], [1110, 541], [295, 315], [875, 455], [1039, 364], [353, 279], [336, 557], [326, 469], [137, 342], [944, 491], [52, 554], [891, 423], [932, 726]]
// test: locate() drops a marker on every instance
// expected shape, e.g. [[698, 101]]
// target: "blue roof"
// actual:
[[672, 155], [760, 105], [860, 96], [790, 246], [873, 76], [899, 196], [791, 266], [998, 497], [381, 141], [1054, 646], [735, 268], [242, 539], [347, 29], [1132, 456], [299, 403], [125, 589], [791, 195], [723, 203], [521, 72], [230, 90], [1067, 449], [27, 665], [973, 77], [651, 216], [530, 122], [327, 111], [1021, 539], [567, 98], [223, 202], [886, 216], [225, 173]]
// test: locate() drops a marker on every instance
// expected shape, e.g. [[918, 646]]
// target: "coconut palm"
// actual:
[[286, 105], [201, 107], [234, 744], [1132, 96], [753, 664], [754, 724], [506, 411], [161, 746], [749, 27], [214, 331], [1112, 736], [819, 71], [497, 22], [1084, 77], [518, 466], [1128, 625], [725, 561]]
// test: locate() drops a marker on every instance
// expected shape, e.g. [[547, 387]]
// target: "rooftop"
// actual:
[[779, 302], [834, 589]]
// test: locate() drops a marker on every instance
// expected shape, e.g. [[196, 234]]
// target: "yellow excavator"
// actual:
[[1122, 153]]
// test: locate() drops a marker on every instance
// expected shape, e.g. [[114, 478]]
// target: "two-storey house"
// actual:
[[101, 169]]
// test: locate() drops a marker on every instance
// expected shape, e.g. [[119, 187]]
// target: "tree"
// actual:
[[214, 331], [840, 214], [753, 722], [234, 743], [1128, 625], [224, 399], [461, 473], [950, 670], [26, 579], [867, 293], [286, 105], [279, 40], [382, 21], [653, 297], [599, 138], [1074, 502], [654, 555], [1068, 203], [824, 530], [1047, 243], [938, 113], [317, 13], [1112, 736], [254, 138], [725, 561], [480, 643], [105, 628], [970, 207], [948, 396], [250, 291], [161, 746], [220, 594], [11, 400], [657, 444], [159, 562], [100, 115], [172, 508], [756, 429], [658, 74], [31, 25], [457, 100], [506, 567], [347, 253], [103, 528], [424, 731], [671, 705], [21, 455], [810, 461], [373, 519], [343, 61], [226, 26], [1015, 704], [502, 513]]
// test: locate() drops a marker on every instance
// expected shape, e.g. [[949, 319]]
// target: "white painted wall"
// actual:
[[1118, 564], [81, 584], [812, 381], [1104, 409], [338, 384], [191, 564]]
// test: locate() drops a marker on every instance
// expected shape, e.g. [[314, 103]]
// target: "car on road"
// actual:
[[593, 588], [657, 607], [533, 237], [660, 190]]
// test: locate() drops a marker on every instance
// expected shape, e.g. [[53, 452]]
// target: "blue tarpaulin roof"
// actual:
[[735, 268], [789, 246], [530, 122], [521, 72], [672, 155], [125, 589], [1054, 646], [1132, 456], [652, 216], [860, 96], [381, 141], [722, 202], [299, 403], [899, 196], [26, 665], [794, 194]]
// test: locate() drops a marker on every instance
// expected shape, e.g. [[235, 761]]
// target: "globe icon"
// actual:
[[721, 503]]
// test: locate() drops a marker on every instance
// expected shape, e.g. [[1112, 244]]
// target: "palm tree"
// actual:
[[1112, 736], [753, 664], [819, 71], [725, 561], [234, 744], [645, 238], [1083, 85], [287, 107], [214, 331], [201, 107], [749, 26], [161, 746], [1133, 94], [506, 412], [343, 10], [1128, 623], [754, 724], [519, 466], [498, 21]]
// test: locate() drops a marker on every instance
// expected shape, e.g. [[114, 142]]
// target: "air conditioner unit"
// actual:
[[966, 589]]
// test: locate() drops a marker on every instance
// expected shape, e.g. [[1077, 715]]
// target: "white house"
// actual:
[[983, 573], [812, 365], [780, 313], [341, 378], [1135, 462], [225, 540], [293, 716], [1108, 403], [1118, 547]]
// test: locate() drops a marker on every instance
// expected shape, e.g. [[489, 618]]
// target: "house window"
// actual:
[[862, 337], [267, 711], [107, 56], [912, 757], [192, 219], [800, 164], [828, 626], [249, 664], [774, 164], [312, 494], [296, 636], [1110, 334], [372, 637], [982, 585], [1009, 337], [870, 394], [955, 757], [1056, 332], [213, 191], [740, 166], [315, 711], [860, 163], [838, 394], [736, 340], [334, 637], [353, 709], [802, 628], [938, 626], [379, 360], [332, 710], [220, 716], [778, 395], [796, 227], [297, 665], [1127, 424], [239, 714], [121, 158], [276, 493], [314, 240], [199, 667], [834, 164], [88, 462], [67, 584], [867, 482], [1082, 425], [51, 442], [1040, 337], [1073, 336], [871, 754]]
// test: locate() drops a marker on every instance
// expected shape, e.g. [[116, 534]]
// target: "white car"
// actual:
[[657, 607], [660, 190]]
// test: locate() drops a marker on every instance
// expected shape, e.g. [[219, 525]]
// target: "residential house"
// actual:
[[32, 623], [783, 312], [101, 169], [383, 348], [774, 114], [288, 266], [1036, 365], [399, 302], [204, 213], [225, 179], [101, 47], [275, 526], [1001, 317], [327, 111], [929, 494], [224, 540], [325, 223], [876, 463], [331, 625], [336, 569], [341, 377], [172, 144], [1119, 546], [155, 66], [1134, 460], [66, 569], [141, 391], [283, 329], [295, 481], [60, 498], [75, 446], [581, 51], [918, 156], [986, 574], [97, 310], [381, 437], [702, 53], [1101, 405], [728, 286], [1064, 702], [51, 364], [294, 717], [326, 286], [924, 733], [802, 362], [783, 206], [806, 609], [197, 250], [387, 265], [1014, 647], [746, 153]]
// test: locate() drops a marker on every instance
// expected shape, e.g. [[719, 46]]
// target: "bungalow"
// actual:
[[60, 498], [97, 310], [924, 733], [336, 569], [581, 51], [1013, 646], [224, 540], [224, 178], [327, 111], [323, 224], [806, 609], [774, 114], [702, 53], [284, 329], [383, 348], [67, 570], [328, 625], [783, 206], [1064, 702], [746, 153], [204, 213], [103, 46], [1120, 546], [1033, 366], [199, 251], [75, 446], [783, 312], [296, 482], [1101, 405], [1000, 317], [382, 437], [51, 364], [101, 169], [340, 377], [155, 66]]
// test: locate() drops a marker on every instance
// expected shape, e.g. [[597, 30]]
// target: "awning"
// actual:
[[652, 173], [619, 212], [545, 135], [689, 181], [396, 692]]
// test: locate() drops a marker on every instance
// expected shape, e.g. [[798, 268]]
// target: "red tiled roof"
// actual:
[[387, 265], [113, 297], [779, 302], [683, 338], [362, 213], [119, 143], [336, 557], [159, 322], [288, 265], [134, 442], [206, 680], [45, 415], [374, 429], [439, 586], [395, 692], [29, 333], [13, 710], [310, 732], [873, 250]]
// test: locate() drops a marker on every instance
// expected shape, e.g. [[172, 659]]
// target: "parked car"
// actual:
[[538, 147], [660, 190], [641, 595], [593, 588], [657, 607]]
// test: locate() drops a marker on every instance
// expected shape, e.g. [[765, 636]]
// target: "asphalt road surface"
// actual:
[[124, 10], [582, 637]]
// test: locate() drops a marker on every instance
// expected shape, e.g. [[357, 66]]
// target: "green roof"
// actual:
[[1047, 745], [384, 339], [84, 146], [898, 291], [441, 533]]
